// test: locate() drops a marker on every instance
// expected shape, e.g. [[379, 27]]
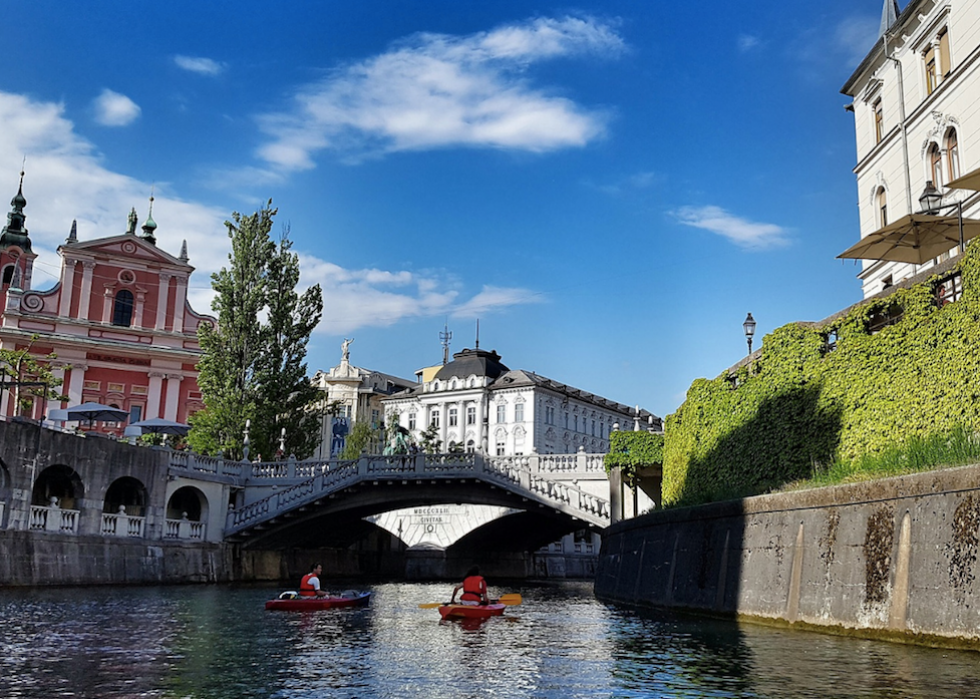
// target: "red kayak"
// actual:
[[471, 611], [307, 604]]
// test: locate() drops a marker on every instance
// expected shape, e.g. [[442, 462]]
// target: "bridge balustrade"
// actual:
[[121, 524], [53, 519], [185, 529]]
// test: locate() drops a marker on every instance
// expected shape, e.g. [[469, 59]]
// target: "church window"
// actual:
[[8, 275], [122, 310], [135, 413]]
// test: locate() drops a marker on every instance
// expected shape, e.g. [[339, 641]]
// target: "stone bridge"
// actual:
[[300, 503]]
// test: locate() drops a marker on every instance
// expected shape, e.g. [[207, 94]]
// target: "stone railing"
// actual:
[[188, 463], [121, 524], [512, 473], [53, 519], [185, 529]]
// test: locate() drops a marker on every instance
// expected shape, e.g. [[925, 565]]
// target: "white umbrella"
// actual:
[[159, 425]]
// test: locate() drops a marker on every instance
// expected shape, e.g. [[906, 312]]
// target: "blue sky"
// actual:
[[608, 187]]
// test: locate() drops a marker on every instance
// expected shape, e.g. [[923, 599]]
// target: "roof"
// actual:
[[473, 362]]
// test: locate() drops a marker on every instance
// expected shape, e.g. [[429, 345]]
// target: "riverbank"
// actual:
[[891, 559]]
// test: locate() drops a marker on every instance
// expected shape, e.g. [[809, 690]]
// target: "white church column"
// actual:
[[163, 298], [153, 408], [58, 371], [67, 287], [138, 308], [179, 301], [107, 306], [85, 293], [173, 396], [75, 382]]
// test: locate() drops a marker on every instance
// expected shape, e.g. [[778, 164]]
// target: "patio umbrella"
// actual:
[[95, 411], [970, 180], [915, 238], [159, 425]]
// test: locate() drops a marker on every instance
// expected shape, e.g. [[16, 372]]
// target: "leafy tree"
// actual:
[[429, 439], [360, 440], [20, 366], [285, 392], [255, 370]]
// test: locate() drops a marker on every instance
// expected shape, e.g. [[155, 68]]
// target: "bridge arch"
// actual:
[[188, 503]]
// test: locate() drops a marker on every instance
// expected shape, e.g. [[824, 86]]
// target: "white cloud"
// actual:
[[114, 109], [354, 299], [744, 233], [201, 66], [66, 180], [747, 42], [434, 91]]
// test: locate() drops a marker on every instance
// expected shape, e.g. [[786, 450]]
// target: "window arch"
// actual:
[[122, 310], [881, 204], [952, 155]]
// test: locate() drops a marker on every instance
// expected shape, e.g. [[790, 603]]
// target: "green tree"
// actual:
[[361, 439], [252, 370], [28, 376], [429, 439], [286, 395]]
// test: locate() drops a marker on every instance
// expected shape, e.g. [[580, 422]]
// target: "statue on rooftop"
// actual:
[[132, 222], [345, 348]]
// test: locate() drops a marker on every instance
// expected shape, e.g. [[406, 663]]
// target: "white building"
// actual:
[[916, 105], [351, 394], [478, 404]]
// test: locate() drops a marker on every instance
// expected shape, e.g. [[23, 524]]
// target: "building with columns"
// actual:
[[916, 106], [351, 394], [478, 404], [118, 320]]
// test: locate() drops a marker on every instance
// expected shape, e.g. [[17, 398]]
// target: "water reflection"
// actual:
[[560, 644]]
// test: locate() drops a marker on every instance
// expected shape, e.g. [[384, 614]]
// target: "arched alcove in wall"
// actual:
[[61, 483], [127, 493], [190, 501]]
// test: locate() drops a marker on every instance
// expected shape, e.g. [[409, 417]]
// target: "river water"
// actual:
[[219, 642]]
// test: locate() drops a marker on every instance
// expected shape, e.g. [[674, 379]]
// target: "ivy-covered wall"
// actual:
[[836, 390]]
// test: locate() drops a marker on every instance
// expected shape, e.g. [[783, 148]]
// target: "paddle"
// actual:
[[509, 600]]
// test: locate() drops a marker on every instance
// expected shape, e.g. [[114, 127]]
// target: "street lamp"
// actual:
[[749, 327], [931, 202]]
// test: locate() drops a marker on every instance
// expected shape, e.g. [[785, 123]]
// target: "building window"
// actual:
[[471, 415], [952, 155], [135, 413], [944, 58], [122, 311], [374, 419], [8, 275], [879, 121], [519, 412], [932, 71], [411, 421], [470, 447], [435, 418], [501, 449], [881, 201], [936, 165], [453, 417], [501, 413]]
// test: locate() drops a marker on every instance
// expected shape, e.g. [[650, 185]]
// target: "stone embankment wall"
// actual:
[[893, 559]]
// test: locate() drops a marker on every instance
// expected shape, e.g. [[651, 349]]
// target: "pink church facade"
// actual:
[[118, 320]]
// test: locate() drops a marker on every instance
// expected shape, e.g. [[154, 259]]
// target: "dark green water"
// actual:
[[219, 642]]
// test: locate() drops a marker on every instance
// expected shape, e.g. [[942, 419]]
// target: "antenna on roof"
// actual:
[[445, 336], [477, 333]]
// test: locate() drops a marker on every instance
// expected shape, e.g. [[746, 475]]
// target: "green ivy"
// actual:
[[632, 451], [804, 405]]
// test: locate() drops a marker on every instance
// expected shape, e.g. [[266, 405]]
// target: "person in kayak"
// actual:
[[474, 589], [310, 585]]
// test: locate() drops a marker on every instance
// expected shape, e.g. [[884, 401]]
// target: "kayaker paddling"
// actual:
[[474, 589], [310, 585]]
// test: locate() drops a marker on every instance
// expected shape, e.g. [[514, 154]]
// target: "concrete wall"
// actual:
[[893, 559]]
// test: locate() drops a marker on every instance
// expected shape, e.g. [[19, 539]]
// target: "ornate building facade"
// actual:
[[478, 404], [917, 119], [118, 320]]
